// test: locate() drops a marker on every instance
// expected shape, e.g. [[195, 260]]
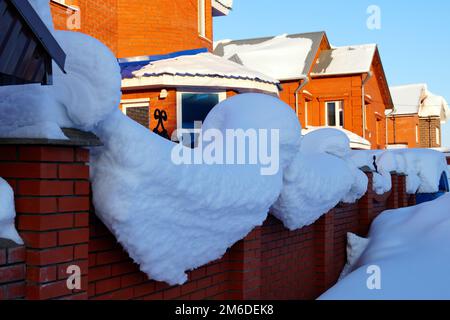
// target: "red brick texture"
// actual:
[[51, 187], [54, 218]]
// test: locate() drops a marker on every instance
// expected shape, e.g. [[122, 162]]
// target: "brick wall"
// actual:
[[427, 132], [59, 229], [136, 28], [51, 186], [12, 271]]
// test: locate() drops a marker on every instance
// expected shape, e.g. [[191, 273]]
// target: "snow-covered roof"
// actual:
[[345, 60], [221, 7], [356, 141], [417, 99], [284, 57], [203, 69]]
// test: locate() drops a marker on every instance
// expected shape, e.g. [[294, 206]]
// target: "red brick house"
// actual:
[[343, 87], [415, 121]]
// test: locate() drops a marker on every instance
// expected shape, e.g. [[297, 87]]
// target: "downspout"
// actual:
[[387, 126], [369, 76], [304, 80]]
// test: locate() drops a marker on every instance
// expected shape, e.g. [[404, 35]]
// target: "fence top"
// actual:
[[77, 138]]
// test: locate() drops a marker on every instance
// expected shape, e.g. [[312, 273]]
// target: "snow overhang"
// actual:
[[221, 7], [356, 142], [199, 70]]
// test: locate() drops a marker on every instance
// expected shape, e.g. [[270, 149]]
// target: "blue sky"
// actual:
[[414, 38]]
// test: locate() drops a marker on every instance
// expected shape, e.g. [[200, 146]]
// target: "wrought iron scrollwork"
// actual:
[[160, 130]]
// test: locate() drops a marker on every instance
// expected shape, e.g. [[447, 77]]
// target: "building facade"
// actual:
[[417, 118]]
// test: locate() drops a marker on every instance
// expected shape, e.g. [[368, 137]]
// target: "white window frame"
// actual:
[[134, 103], [202, 18], [222, 96], [339, 105]]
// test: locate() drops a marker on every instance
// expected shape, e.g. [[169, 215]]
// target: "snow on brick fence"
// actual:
[[55, 219]]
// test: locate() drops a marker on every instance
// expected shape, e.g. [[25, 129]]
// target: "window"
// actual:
[[438, 136], [417, 133], [202, 18], [138, 110], [334, 113], [194, 107]]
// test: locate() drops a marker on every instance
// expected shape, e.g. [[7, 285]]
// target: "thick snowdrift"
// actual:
[[423, 167], [7, 214], [319, 178], [410, 246]]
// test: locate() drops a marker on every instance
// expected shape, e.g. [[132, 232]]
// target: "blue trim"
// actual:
[[130, 65]]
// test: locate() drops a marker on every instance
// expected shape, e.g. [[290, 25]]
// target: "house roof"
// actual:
[[345, 60], [285, 57], [417, 99], [202, 69], [41, 31]]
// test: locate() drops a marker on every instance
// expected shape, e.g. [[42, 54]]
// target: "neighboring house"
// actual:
[[27, 48], [342, 87], [170, 78], [416, 119]]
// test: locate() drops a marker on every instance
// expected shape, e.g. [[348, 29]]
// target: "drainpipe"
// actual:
[[387, 125], [368, 77], [304, 80]]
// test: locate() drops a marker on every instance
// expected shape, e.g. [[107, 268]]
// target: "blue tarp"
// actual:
[[130, 65]]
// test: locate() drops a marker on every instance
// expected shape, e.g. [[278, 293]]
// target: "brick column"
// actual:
[[403, 197], [393, 201], [52, 195], [245, 268], [12, 271], [366, 207], [324, 252]]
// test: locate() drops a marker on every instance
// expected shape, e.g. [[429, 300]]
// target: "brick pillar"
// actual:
[[403, 197], [52, 195], [324, 252], [393, 201], [366, 208], [245, 268]]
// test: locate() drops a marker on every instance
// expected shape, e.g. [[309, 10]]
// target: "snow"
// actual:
[[205, 67], [356, 141], [281, 57], [320, 177], [345, 60], [7, 214], [423, 168], [408, 245], [172, 218], [175, 218], [435, 106], [79, 99], [355, 249]]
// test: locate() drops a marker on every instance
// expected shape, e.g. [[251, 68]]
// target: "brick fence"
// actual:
[[54, 218]]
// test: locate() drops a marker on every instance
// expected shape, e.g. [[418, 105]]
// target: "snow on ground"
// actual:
[[408, 246], [7, 213]]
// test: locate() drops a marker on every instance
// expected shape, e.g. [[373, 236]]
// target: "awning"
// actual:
[[194, 70]]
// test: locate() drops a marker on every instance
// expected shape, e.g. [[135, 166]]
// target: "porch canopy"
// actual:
[[197, 68]]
